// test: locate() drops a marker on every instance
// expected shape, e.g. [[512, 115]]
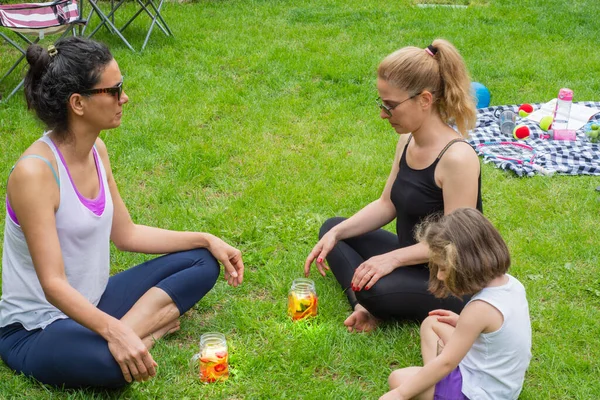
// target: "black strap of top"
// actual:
[[447, 146], [443, 150]]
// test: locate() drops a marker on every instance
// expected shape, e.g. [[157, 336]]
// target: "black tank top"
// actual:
[[416, 196]]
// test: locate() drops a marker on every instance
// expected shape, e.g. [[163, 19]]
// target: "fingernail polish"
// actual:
[[366, 288], [319, 259]]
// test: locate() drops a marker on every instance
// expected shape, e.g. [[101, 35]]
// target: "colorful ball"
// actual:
[[546, 123], [525, 110], [481, 94], [521, 132]]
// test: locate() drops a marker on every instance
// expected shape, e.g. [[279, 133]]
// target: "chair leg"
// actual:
[[154, 20], [131, 20], [89, 17], [18, 62], [15, 90], [15, 65], [159, 15], [153, 17], [16, 46], [105, 19]]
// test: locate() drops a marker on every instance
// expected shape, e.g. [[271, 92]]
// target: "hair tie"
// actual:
[[432, 51], [52, 51]]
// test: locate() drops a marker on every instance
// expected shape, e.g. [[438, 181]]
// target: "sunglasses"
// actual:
[[117, 89], [387, 109]]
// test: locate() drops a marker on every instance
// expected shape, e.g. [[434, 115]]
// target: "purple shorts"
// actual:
[[450, 388]]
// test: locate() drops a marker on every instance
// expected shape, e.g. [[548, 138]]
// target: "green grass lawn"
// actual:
[[257, 123]]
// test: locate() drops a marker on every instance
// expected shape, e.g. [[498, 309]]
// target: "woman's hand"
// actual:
[[319, 252], [369, 272], [130, 353], [446, 316], [230, 257]]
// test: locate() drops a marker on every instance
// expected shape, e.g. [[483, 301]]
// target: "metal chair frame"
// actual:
[[148, 6], [41, 33]]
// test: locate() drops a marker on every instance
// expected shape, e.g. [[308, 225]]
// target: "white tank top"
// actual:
[[84, 240], [495, 366]]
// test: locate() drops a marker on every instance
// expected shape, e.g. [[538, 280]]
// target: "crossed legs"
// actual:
[[149, 298], [153, 316]]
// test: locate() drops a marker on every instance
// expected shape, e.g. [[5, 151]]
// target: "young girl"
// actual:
[[482, 353], [385, 275]]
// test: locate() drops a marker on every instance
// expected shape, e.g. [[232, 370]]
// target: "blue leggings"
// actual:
[[70, 355]]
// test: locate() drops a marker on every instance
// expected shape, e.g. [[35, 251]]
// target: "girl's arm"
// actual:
[[34, 197], [477, 317], [128, 236]]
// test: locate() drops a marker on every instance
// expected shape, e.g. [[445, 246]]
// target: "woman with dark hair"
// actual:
[[62, 319], [422, 92]]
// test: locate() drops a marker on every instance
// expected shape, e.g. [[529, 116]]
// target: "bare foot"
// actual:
[[361, 320], [169, 328]]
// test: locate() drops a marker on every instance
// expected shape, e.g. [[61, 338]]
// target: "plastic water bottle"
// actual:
[[562, 111], [563, 134]]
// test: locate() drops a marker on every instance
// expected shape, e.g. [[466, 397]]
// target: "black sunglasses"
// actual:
[[117, 89]]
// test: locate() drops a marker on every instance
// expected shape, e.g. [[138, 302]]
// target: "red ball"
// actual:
[[528, 108], [521, 132]]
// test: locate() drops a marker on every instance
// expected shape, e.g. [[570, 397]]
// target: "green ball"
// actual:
[[595, 127], [545, 123]]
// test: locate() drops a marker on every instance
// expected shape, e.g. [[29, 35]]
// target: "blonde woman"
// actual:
[[422, 93]]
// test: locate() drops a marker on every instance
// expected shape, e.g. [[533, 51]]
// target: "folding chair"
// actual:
[[147, 6], [38, 19]]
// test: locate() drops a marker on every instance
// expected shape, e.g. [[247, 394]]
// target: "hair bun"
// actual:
[[38, 60], [34, 54]]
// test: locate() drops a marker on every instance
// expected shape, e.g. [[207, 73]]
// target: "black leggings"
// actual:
[[401, 295]]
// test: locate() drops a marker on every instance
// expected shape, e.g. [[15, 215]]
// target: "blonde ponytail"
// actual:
[[457, 105]]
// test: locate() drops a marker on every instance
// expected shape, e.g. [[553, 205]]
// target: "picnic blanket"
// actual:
[[580, 157]]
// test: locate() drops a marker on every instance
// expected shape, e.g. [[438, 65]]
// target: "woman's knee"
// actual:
[[329, 224], [209, 264]]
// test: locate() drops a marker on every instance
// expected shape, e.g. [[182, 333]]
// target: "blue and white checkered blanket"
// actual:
[[580, 157]]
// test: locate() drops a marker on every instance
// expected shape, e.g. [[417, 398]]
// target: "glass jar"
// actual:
[[302, 299], [213, 358]]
